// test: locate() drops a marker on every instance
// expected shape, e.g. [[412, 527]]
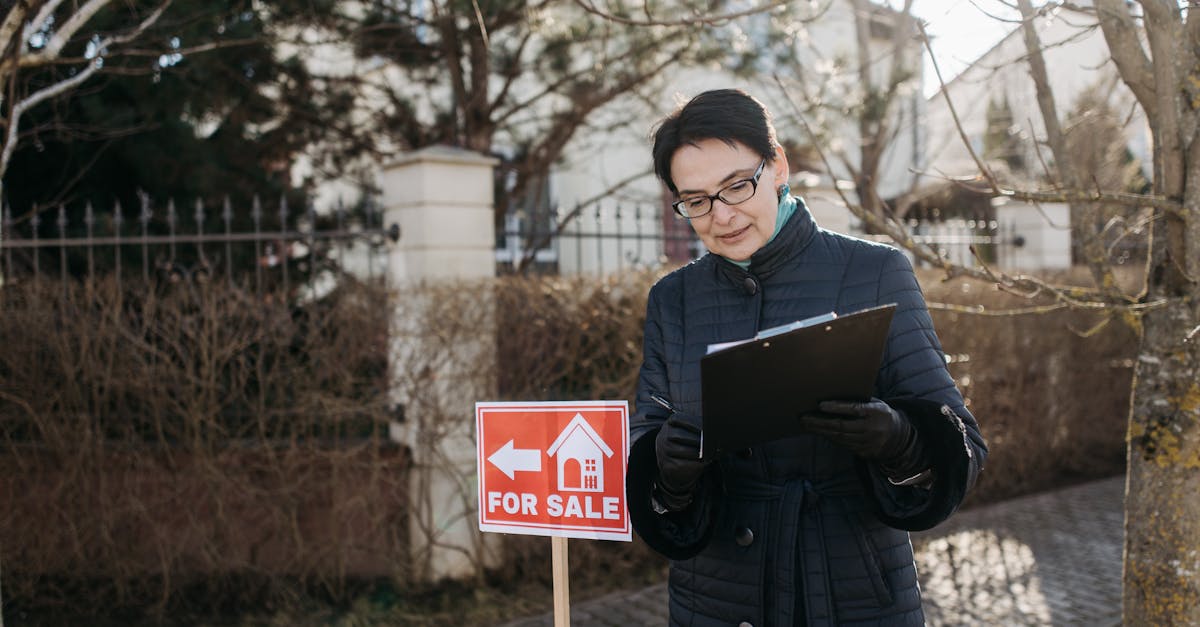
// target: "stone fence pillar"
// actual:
[[442, 199]]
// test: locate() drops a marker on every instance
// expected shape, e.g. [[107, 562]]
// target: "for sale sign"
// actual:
[[554, 469]]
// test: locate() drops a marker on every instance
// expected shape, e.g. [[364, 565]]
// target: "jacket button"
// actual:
[[744, 536], [750, 286], [746, 453]]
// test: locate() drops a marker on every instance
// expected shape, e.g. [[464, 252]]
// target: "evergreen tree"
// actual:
[[1002, 139]]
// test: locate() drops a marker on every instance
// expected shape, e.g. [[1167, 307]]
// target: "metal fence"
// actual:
[[603, 240], [968, 242], [595, 239], [254, 245], [280, 246]]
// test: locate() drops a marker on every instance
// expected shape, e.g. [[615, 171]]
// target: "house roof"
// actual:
[[1015, 32], [578, 422]]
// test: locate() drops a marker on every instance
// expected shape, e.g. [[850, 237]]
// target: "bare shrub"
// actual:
[[185, 446], [158, 436], [1052, 400], [1051, 389], [571, 338]]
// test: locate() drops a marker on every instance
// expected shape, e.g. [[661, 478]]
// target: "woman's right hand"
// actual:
[[677, 447]]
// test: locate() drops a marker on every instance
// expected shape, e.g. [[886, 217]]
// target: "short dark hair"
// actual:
[[730, 115]]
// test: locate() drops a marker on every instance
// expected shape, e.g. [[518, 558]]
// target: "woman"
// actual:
[[811, 530]]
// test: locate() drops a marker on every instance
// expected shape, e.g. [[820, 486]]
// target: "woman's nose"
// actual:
[[721, 212]]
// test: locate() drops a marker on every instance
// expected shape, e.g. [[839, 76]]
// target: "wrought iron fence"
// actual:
[[284, 247], [601, 240], [968, 242], [596, 240], [252, 245]]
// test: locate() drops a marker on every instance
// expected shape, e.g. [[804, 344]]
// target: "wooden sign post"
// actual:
[[562, 583]]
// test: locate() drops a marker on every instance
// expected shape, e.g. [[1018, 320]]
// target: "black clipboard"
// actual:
[[752, 391]]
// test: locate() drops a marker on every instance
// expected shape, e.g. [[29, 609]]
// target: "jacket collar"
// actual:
[[797, 233]]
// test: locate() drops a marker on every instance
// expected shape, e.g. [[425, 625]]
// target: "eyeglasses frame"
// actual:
[[753, 180]]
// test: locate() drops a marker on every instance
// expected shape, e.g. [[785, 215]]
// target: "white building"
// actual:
[[1077, 60], [599, 161]]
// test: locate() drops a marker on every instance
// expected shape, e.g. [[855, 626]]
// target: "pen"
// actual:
[[665, 404]]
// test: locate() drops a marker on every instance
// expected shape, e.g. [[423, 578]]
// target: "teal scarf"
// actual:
[[787, 206]]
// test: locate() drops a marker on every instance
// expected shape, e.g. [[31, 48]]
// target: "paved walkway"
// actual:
[[1046, 559]]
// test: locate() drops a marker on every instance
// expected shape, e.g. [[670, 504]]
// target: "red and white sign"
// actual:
[[554, 469]]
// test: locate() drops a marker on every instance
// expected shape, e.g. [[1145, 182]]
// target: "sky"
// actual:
[[961, 31]]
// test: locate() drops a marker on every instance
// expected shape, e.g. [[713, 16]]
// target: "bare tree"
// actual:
[[47, 50], [1153, 44], [1162, 505], [519, 79]]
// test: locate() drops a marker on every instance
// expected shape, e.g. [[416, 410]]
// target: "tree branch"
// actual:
[[39, 20], [556, 86], [555, 138], [1127, 53], [19, 108], [1164, 30], [1097, 197], [896, 74], [1028, 286], [699, 20], [453, 55], [80, 17], [10, 26], [208, 47], [937, 70], [511, 74], [1084, 214], [1045, 96], [141, 27], [980, 310]]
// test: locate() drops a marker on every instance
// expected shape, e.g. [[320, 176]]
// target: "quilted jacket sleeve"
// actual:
[[676, 535], [913, 379]]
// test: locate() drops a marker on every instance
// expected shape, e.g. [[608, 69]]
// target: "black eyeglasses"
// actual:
[[735, 193]]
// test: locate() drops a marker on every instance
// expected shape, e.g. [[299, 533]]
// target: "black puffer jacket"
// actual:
[[797, 531]]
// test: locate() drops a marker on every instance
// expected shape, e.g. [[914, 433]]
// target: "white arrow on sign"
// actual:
[[512, 460]]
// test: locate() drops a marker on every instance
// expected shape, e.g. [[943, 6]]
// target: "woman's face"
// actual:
[[705, 168]]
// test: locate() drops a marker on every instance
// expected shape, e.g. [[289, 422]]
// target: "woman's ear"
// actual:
[[783, 172]]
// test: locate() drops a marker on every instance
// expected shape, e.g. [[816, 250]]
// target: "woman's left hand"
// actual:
[[871, 430]]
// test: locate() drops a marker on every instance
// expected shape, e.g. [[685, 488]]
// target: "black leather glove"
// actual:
[[677, 447], [872, 430]]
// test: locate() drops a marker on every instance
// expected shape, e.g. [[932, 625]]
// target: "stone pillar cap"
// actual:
[[441, 153]]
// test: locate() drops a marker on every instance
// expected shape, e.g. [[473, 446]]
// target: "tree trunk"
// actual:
[[1162, 508], [1162, 499]]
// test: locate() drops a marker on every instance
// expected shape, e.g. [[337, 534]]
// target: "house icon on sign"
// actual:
[[580, 453]]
